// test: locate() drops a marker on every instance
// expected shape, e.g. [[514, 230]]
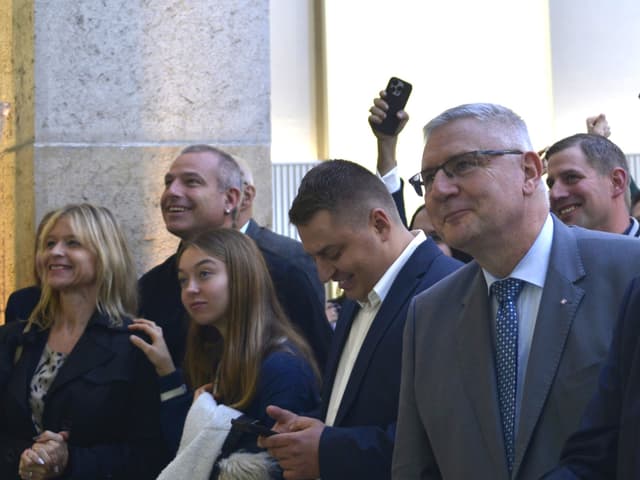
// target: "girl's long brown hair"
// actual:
[[255, 323]]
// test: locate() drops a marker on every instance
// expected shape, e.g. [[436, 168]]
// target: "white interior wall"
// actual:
[[553, 62], [292, 78], [596, 47]]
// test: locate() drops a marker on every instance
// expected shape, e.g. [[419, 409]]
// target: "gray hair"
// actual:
[[484, 112], [229, 174]]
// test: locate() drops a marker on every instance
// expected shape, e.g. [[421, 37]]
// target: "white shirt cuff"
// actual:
[[391, 179]]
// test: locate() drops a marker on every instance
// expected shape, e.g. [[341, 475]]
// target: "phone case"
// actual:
[[397, 94], [248, 425]]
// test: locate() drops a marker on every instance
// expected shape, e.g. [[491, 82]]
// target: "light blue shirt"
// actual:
[[532, 269]]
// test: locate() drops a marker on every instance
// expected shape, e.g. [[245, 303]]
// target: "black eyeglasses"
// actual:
[[457, 166]]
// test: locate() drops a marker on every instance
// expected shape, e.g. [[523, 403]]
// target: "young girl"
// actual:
[[240, 345]]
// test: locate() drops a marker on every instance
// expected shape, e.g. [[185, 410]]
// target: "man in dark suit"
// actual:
[[292, 270], [500, 358], [607, 445], [203, 189], [349, 223]]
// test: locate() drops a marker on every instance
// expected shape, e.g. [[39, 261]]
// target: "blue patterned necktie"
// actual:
[[506, 292]]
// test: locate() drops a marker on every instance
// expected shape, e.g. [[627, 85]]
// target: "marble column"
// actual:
[[122, 86], [16, 146]]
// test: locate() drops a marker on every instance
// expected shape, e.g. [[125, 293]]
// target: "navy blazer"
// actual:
[[105, 395], [297, 285], [607, 445], [21, 303], [360, 443]]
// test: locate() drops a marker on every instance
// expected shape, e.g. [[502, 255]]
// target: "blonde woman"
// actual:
[[77, 400]]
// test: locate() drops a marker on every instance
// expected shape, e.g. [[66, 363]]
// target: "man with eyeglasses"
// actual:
[[501, 357]]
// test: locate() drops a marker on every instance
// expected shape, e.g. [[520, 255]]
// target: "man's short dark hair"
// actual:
[[229, 173], [344, 189], [602, 154]]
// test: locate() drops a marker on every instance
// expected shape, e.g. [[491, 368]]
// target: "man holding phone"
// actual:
[[349, 223]]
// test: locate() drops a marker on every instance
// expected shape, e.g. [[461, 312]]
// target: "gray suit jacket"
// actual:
[[449, 423]]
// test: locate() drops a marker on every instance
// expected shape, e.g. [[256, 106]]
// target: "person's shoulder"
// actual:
[[285, 359], [454, 283], [101, 322], [11, 330], [160, 271], [609, 245], [168, 264], [25, 293], [431, 258], [275, 244], [21, 303]]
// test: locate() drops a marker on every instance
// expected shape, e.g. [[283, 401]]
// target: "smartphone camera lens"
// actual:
[[396, 88]]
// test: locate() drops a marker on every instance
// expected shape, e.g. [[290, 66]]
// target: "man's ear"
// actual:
[[380, 222], [231, 199], [533, 169], [248, 195], [618, 178]]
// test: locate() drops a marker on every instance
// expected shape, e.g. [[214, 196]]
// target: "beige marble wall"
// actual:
[[16, 146], [122, 86]]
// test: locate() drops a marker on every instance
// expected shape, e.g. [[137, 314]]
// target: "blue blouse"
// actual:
[[285, 380]]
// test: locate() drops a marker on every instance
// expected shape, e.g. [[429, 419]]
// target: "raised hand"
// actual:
[[156, 351]]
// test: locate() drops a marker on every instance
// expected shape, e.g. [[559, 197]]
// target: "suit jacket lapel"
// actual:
[[93, 349], [475, 354], [558, 307], [19, 385], [401, 291]]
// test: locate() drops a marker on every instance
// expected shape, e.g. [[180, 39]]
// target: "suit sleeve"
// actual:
[[592, 452], [398, 198], [288, 381], [413, 456], [173, 412]]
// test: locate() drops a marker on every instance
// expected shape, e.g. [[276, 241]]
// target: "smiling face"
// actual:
[[348, 254], [66, 263], [192, 199], [578, 193], [473, 212], [204, 287]]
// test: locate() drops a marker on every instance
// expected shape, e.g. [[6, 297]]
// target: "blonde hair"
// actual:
[[255, 323], [99, 232]]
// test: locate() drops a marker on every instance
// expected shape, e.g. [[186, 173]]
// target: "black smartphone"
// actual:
[[397, 94], [247, 425]]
